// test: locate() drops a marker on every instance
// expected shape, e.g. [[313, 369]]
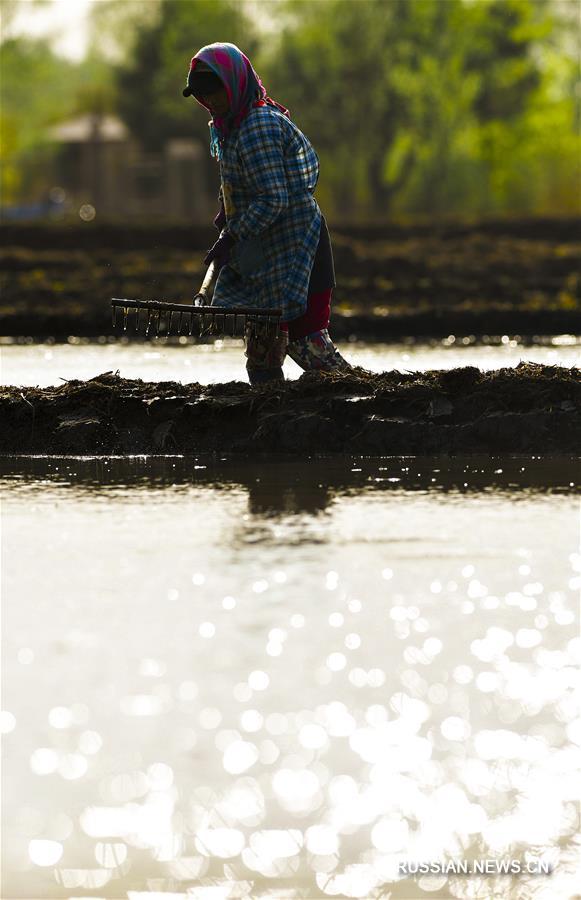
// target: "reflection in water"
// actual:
[[282, 484], [287, 686]]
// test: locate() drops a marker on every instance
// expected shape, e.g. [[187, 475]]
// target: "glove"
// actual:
[[220, 219], [220, 251]]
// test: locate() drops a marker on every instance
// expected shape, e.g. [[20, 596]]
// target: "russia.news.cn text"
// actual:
[[477, 867]]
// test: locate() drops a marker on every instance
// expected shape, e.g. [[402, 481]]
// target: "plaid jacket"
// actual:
[[269, 172]]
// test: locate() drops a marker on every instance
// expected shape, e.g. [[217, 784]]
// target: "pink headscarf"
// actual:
[[243, 87]]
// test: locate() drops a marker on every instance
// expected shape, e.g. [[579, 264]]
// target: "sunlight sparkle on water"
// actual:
[[256, 730]]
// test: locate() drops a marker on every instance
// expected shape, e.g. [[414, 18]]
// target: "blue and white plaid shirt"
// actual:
[[269, 172]]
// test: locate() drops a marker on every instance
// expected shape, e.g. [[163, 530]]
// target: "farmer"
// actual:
[[274, 248]]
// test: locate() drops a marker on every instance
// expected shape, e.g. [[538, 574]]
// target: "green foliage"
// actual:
[[414, 106], [27, 107], [150, 81], [39, 89], [115, 26]]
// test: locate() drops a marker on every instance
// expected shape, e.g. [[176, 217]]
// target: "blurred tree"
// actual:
[[415, 106], [502, 34], [535, 164], [9, 10], [150, 80], [390, 91], [115, 26], [38, 88], [329, 64], [27, 108]]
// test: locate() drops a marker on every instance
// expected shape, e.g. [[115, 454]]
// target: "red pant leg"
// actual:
[[315, 318]]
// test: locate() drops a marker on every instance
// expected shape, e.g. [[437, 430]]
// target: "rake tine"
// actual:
[[211, 321]]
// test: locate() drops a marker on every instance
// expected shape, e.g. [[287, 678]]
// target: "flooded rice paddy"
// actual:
[[284, 679], [44, 364]]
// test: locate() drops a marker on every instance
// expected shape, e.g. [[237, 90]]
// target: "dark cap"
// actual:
[[201, 84]]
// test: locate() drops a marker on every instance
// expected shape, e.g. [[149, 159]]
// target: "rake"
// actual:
[[211, 320]]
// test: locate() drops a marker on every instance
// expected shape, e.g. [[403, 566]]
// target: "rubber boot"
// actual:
[[317, 351], [265, 353], [264, 376]]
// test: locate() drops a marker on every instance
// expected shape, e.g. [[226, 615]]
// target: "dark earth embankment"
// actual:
[[529, 409], [519, 277]]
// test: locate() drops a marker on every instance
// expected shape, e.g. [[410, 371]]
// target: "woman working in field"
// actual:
[[274, 248]]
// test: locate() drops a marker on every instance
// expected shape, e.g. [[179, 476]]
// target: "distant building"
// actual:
[[101, 167]]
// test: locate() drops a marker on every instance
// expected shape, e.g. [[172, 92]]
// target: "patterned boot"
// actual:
[[265, 353], [317, 351]]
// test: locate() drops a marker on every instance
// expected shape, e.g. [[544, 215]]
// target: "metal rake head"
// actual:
[[158, 318]]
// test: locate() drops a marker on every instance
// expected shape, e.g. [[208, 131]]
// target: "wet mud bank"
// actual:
[[517, 277], [528, 409]]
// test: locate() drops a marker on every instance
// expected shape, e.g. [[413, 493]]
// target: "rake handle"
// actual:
[[205, 287]]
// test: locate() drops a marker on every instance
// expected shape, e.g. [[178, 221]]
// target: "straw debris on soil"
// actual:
[[531, 408]]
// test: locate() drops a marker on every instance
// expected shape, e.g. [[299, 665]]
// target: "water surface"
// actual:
[[271, 679], [49, 364]]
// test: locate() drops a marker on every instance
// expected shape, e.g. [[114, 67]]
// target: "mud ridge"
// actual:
[[528, 409]]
